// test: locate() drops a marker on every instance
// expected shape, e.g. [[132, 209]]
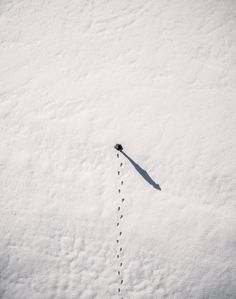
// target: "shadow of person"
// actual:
[[142, 172]]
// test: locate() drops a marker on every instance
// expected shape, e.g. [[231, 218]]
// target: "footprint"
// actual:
[[120, 233], [117, 155]]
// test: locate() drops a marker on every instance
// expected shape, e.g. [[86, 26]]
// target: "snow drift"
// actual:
[[77, 77]]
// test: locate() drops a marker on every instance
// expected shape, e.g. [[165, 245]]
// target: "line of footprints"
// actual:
[[120, 249]]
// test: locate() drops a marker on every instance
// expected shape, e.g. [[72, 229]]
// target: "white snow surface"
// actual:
[[79, 76]]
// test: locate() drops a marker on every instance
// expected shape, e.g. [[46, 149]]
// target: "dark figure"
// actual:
[[118, 147]]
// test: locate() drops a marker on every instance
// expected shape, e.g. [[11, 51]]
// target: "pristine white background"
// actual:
[[76, 77]]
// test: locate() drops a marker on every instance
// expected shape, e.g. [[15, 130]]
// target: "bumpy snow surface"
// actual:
[[77, 77]]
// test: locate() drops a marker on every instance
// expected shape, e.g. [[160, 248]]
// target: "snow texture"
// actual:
[[79, 76]]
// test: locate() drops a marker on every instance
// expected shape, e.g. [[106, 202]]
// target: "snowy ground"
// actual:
[[79, 76]]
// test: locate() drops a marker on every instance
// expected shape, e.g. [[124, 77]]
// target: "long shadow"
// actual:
[[142, 172]]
